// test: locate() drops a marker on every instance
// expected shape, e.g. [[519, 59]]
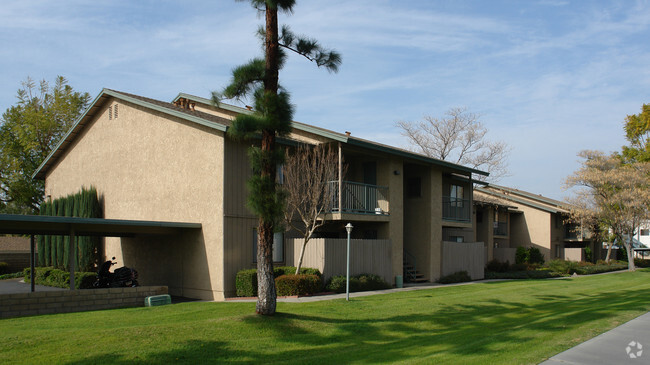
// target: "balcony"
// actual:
[[359, 198], [500, 228], [455, 209]]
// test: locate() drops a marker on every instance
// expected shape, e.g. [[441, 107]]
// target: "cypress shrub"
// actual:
[[68, 204], [40, 241], [535, 256], [60, 242], [47, 242]]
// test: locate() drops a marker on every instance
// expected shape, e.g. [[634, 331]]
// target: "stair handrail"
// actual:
[[412, 261]]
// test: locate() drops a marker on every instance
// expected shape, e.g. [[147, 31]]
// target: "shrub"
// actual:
[[457, 277], [497, 266], [535, 256], [519, 267], [12, 276], [596, 269], [291, 270], [521, 255], [563, 267], [362, 282], [641, 263], [4, 268], [246, 283], [297, 284], [50, 276], [537, 274], [246, 280]]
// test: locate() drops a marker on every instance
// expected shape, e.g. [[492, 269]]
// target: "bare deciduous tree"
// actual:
[[616, 194], [308, 174], [458, 137]]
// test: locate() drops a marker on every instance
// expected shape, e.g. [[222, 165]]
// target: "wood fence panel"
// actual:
[[463, 256]]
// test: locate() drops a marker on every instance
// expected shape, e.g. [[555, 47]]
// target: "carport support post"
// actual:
[[72, 257], [31, 262]]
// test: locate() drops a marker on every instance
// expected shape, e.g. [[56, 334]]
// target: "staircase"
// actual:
[[411, 274]]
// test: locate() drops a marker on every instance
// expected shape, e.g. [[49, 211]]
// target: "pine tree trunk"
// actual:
[[266, 296]]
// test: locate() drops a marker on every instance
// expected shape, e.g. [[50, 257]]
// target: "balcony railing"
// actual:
[[359, 198], [455, 209], [500, 228]]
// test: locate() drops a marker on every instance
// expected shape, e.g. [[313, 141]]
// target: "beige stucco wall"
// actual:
[[150, 166]]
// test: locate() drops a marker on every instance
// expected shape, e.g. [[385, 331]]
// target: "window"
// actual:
[[414, 187], [278, 246], [458, 239], [456, 195], [645, 232]]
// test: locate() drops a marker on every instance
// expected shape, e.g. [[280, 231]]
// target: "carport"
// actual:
[[72, 226]]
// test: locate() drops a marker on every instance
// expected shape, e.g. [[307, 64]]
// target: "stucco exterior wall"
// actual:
[[150, 166]]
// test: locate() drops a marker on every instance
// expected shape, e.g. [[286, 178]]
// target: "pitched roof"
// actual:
[[205, 119], [525, 198], [344, 138], [221, 124]]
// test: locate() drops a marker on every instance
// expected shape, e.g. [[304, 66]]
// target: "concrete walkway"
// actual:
[[628, 343]]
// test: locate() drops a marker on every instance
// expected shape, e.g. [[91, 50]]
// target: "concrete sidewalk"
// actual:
[[628, 343]]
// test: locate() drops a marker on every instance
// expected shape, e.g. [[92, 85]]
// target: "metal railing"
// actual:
[[455, 209], [359, 198], [410, 269], [500, 228]]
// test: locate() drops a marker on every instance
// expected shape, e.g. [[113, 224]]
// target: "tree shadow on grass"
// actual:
[[470, 331]]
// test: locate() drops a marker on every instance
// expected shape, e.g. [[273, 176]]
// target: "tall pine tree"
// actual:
[[273, 114]]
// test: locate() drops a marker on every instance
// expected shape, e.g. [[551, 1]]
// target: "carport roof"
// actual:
[[39, 224]]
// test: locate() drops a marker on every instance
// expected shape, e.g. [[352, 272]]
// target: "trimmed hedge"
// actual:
[[362, 282], [457, 277], [246, 280], [297, 284], [532, 274], [50, 276], [11, 276]]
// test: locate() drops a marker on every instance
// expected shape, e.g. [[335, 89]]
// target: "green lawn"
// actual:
[[500, 322]]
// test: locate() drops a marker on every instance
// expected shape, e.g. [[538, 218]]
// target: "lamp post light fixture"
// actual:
[[348, 227]]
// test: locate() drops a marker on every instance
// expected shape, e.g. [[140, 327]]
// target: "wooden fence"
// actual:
[[329, 256], [463, 256]]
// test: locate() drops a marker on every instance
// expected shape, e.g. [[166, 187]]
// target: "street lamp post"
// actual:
[[348, 227]]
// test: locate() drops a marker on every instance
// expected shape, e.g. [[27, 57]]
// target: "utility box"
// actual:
[[399, 281], [157, 300]]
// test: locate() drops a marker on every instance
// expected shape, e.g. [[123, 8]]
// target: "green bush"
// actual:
[[641, 263], [457, 277], [535, 256], [4, 268], [50, 276], [12, 275], [519, 267], [246, 283], [291, 270], [588, 254], [537, 274], [521, 255], [596, 269], [563, 267], [497, 266], [337, 284], [297, 284], [246, 280], [362, 282]]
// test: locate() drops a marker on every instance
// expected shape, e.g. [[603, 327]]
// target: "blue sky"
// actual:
[[549, 77]]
